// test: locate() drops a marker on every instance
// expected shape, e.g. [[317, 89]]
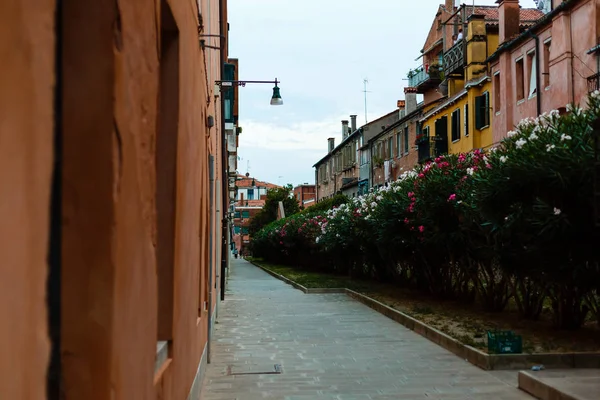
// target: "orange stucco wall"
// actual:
[[27, 57], [113, 106]]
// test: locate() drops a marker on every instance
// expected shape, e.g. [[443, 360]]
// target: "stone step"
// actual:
[[571, 384]]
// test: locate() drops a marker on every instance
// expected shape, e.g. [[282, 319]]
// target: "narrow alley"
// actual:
[[328, 347]]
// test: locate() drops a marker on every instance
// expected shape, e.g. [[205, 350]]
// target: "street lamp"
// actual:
[[275, 99]]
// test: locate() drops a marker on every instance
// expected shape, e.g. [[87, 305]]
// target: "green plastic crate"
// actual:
[[504, 342]]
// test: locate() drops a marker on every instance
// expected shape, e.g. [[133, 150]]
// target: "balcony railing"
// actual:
[[454, 59], [420, 77], [593, 82]]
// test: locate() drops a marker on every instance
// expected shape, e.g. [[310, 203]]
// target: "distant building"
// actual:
[[305, 195], [250, 199]]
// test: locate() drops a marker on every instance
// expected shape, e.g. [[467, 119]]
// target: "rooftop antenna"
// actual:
[[365, 82]]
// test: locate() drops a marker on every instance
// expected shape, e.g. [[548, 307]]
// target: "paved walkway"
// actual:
[[329, 347]]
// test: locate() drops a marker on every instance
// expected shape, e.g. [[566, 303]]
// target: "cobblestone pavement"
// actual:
[[329, 347]]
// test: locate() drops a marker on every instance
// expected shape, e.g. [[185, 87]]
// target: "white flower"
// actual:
[[503, 158], [554, 113], [519, 143], [533, 136], [596, 94], [470, 171], [373, 204], [564, 137], [570, 107], [557, 211], [549, 147], [317, 239], [511, 133]]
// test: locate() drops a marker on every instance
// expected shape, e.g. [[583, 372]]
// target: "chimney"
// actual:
[[401, 104], [344, 129], [508, 11], [410, 99], [242, 199], [330, 144], [449, 5], [352, 123]]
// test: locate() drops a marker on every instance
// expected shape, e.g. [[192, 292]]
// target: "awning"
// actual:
[[433, 46]]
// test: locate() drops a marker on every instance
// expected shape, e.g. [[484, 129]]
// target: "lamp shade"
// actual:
[[276, 99]]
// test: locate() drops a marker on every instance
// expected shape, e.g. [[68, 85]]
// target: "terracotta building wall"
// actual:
[[134, 230], [572, 33], [26, 131]]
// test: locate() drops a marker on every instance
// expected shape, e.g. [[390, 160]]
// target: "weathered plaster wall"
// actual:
[[26, 135], [112, 109], [572, 33]]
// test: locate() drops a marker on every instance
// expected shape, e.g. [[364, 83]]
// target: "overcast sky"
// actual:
[[320, 50]]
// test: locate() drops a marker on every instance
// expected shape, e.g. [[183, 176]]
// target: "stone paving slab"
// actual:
[[329, 347], [581, 384]]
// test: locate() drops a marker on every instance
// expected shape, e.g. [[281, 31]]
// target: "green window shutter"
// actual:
[[237, 230], [228, 93], [486, 109], [479, 115], [466, 120], [245, 230], [237, 214], [245, 214]]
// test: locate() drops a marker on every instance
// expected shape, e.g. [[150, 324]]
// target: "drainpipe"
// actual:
[[537, 72], [224, 186], [316, 185]]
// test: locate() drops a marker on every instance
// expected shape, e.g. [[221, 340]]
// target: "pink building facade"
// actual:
[[552, 64]]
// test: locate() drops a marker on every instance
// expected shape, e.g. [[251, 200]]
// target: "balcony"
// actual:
[[454, 59], [422, 80], [593, 82]]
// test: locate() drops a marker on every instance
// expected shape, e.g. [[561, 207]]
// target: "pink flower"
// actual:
[[280, 242], [411, 194], [421, 175], [406, 220], [421, 228], [452, 197]]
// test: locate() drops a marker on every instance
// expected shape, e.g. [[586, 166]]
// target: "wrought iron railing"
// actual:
[[419, 77], [593, 82], [454, 58]]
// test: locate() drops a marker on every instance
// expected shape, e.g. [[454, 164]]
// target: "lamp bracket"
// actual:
[[243, 83]]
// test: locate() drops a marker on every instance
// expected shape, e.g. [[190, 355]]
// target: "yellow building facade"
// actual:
[[460, 122]]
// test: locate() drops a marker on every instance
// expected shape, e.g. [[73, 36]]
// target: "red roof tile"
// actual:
[[243, 181], [527, 16]]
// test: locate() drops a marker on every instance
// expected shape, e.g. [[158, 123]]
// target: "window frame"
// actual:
[[455, 125]]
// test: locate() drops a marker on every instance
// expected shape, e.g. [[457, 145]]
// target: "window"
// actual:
[[497, 98], [466, 123], [237, 214], [406, 140], [245, 230], [482, 107], [245, 214], [398, 146], [456, 125], [546, 62], [237, 230], [250, 194], [364, 157], [520, 79], [423, 147], [531, 66], [390, 144]]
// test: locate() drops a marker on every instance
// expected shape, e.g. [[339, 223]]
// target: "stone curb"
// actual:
[[530, 383], [474, 356]]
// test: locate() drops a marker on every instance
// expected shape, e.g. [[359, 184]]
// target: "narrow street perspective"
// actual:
[[295, 200], [328, 346]]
